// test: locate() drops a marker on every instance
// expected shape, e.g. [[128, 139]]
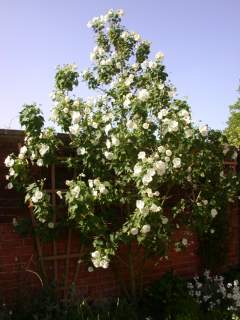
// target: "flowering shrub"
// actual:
[[212, 292], [143, 168]]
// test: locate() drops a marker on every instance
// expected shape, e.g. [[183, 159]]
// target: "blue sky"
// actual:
[[200, 40]]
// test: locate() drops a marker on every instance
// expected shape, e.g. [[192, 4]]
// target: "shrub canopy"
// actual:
[[143, 168]]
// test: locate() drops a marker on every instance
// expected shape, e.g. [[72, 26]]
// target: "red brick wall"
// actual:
[[18, 254]]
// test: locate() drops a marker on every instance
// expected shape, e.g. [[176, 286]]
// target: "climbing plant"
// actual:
[[143, 169]]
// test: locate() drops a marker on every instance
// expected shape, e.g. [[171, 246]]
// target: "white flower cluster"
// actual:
[[22, 152], [154, 165], [104, 18], [98, 187], [9, 162], [146, 228], [99, 260], [213, 291], [43, 149], [37, 196]]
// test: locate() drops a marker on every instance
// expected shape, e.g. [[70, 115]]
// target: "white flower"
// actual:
[[140, 204], [161, 149], [144, 64], [143, 95], [66, 99], [90, 183], [146, 179], [51, 225], [136, 36], [161, 86], [235, 155], [124, 35], [172, 93], [145, 125], [11, 172], [146, 228], [151, 172], [226, 149], [135, 66], [204, 130], [164, 220], [107, 128], [152, 64], [14, 222], [74, 129], [59, 193], [159, 56], [131, 124], [149, 193], [43, 149], [134, 231], [183, 113], [173, 126], [9, 162], [160, 167], [129, 80], [76, 116], [76, 103], [162, 113], [149, 160], [141, 155], [205, 202], [95, 254], [23, 150], [38, 195], [168, 153], [104, 264], [214, 213], [40, 162], [108, 155], [187, 119], [81, 151], [95, 193], [115, 141], [155, 208], [9, 185], [94, 125], [102, 188], [75, 191], [108, 144], [137, 170], [188, 133], [176, 163], [126, 102], [185, 242], [90, 269]]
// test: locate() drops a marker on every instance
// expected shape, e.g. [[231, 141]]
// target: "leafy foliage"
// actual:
[[143, 169], [233, 125]]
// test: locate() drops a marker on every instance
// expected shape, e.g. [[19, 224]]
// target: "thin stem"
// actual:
[[132, 274]]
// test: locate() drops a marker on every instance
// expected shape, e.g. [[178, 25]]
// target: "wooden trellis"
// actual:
[[57, 259]]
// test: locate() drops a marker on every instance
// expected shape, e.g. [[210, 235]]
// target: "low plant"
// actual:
[[168, 299], [218, 298]]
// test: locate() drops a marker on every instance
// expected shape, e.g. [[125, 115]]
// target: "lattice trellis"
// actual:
[[56, 261]]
